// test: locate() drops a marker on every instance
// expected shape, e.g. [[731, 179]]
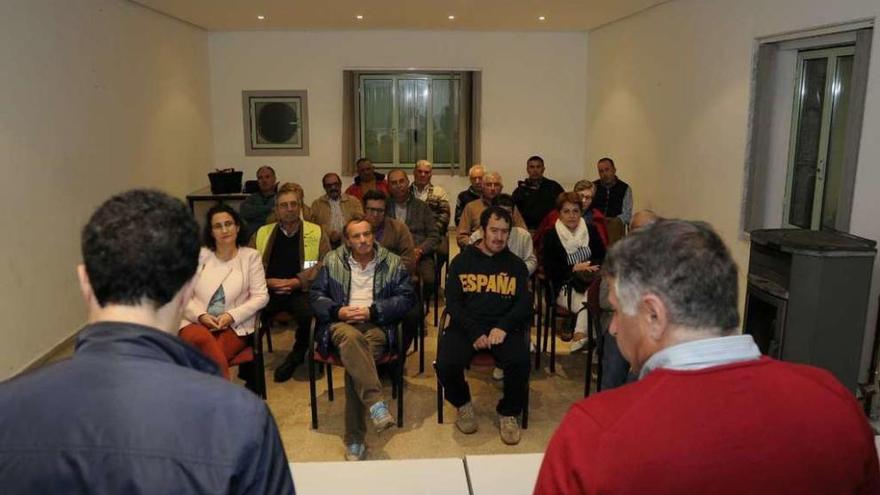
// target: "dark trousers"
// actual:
[[426, 275], [512, 356], [297, 305]]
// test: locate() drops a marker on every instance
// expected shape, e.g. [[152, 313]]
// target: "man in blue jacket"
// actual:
[[361, 293], [136, 410]]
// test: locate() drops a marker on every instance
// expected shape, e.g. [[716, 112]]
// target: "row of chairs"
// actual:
[[547, 314]]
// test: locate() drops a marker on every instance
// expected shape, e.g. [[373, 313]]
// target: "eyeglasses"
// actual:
[[331, 184], [288, 205], [377, 211]]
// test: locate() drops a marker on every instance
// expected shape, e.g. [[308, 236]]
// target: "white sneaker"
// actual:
[[577, 345], [498, 374]]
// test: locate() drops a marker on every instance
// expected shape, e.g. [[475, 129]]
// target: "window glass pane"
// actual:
[[412, 124], [840, 91], [378, 139], [444, 113], [803, 178]]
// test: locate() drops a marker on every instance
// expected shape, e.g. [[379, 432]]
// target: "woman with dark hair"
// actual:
[[228, 289], [573, 251]]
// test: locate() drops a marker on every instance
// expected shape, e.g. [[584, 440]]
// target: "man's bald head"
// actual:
[[643, 218]]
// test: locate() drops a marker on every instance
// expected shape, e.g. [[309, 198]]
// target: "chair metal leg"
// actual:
[[269, 337], [421, 338], [539, 314], [552, 341], [439, 402], [259, 376], [548, 316], [600, 352], [330, 381], [399, 380], [312, 392]]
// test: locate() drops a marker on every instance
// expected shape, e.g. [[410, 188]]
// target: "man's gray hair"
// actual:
[[686, 265]]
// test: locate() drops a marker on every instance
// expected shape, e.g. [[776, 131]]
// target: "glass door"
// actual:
[[816, 150]]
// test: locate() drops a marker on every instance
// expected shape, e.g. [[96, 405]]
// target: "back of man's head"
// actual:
[[140, 246], [503, 200], [686, 265]]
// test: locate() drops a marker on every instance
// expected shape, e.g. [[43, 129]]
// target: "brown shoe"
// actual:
[[466, 422], [509, 428]]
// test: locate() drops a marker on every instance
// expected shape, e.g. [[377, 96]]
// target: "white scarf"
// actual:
[[572, 241], [577, 243]]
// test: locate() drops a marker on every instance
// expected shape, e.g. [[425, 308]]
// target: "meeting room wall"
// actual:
[[96, 96], [668, 98], [533, 99]]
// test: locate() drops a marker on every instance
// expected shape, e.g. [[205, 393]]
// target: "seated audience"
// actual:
[[393, 235], [585, 189], [536, 195], [572, 254], [436, 198], [475, 176], [291, 251], [519, 241], [709, 414], [361, 293], [470, 217], [488, 300], [332, 210], [135, 410], [419, 218], [228, 290], [256, 208], [367, 179]]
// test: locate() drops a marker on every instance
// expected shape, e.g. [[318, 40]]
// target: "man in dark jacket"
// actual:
[[487, 296], [136, 410], [473, 192], [614, 197], [361, 293], [536, 196]]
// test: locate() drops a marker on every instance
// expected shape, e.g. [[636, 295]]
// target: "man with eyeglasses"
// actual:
[[292, 250], [332, 210]]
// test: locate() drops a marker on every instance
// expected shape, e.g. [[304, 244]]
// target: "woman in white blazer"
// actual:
[[228, 290]]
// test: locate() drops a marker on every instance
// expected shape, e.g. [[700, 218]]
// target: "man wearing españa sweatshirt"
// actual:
[[487, 297]]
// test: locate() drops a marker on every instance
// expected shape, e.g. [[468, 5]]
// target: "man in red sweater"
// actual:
[[709, 414]]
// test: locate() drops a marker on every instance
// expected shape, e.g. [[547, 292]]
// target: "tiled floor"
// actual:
[[422, 436]]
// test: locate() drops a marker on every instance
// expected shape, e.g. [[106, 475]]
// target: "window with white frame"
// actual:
[[406, 117]]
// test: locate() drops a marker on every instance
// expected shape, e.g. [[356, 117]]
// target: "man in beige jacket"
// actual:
[[332, 210]]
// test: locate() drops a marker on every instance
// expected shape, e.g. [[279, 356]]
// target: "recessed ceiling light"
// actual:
[[360, 17], [261, 17], [542, 18], [452, 18]]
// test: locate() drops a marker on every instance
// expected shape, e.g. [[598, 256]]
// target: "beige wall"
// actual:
[[668, 98], [533, 93], [96, 96]]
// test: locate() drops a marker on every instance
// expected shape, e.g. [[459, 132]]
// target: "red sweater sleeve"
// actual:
[[570, 461]]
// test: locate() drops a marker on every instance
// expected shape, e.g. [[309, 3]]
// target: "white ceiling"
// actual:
[[473, 15]]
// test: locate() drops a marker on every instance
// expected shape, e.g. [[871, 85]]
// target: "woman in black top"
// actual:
[[573, 252]]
